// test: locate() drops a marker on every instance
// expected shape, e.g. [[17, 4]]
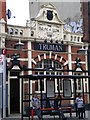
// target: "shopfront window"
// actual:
[[78, 83], [48, 64]]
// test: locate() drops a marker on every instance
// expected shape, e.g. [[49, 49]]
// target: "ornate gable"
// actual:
[[49, 14], [48, 24]]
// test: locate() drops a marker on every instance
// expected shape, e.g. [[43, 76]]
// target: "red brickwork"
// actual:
[[3, 9], [84, 15]]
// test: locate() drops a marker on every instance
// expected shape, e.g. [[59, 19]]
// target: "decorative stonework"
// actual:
[[50, 56]]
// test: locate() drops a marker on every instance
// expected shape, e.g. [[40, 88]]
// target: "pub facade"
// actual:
[[47, 44]]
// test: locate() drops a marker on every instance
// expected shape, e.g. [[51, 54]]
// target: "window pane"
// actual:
[[57, 65], [41, 73], [47, 73], [42, 85], [38, 65], [36, 85], [61, 84], [79, 84]]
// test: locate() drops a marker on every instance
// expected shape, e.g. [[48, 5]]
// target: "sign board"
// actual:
[[49, 47], [67, 88], [1, 59]]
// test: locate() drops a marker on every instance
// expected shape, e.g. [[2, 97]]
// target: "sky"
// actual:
[[19, 9]]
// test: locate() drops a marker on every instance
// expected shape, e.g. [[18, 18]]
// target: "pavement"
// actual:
[[18, 117]]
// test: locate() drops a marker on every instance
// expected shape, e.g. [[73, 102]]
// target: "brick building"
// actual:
[[47, 43], [84, 14]]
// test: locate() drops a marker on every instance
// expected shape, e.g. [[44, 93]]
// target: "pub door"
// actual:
[[14, 95]]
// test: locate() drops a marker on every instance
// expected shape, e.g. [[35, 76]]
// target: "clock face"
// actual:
[[49, 15]]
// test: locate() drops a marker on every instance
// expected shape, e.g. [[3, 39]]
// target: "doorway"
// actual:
[[14, 95]]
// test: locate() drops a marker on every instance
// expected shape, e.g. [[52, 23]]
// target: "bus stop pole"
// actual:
[[4, 86]]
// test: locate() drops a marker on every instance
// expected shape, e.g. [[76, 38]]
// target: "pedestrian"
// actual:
[[58, 107], [80, 105], [36, 106]]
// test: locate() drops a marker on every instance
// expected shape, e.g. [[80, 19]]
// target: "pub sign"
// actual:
[[49, 47]]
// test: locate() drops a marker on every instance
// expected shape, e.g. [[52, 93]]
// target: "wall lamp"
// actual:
[[51, 41], [45, 41], [56, 41], [19, 45], [62, 42]]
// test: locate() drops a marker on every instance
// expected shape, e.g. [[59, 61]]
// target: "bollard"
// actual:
[[32, 113]]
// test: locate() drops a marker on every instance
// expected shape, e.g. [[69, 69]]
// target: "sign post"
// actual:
[[1, 86], [4, 86]]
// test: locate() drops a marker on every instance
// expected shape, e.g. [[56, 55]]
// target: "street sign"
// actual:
[[1, 58]]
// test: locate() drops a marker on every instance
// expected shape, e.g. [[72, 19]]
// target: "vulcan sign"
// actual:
[[49, 47]]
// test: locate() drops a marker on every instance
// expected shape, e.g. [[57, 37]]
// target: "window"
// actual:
[[11, 31], [39, 65], [71, 38], [78, 39], [32, 33], [37, 82], [21, 32], [78, 83], [64, 37], [16, 31], [49, 64], [75, 38], [60, 82]]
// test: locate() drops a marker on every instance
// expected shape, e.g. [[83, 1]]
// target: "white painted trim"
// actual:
[[61, 59], [70, 66], [44, 55], [13, 77], [39, 58], [8, 92], [33, 61], [66, 63], [30, 62], [21, 93], [50, 55], [55, 56]]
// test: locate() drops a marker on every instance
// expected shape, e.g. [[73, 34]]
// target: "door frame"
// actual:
[[9, 79]]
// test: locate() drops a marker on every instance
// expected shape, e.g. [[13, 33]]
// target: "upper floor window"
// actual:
[[16, 31], [21, 32], [11, 30], [71, 38], [64, 37], [75, 38], [78, 39]]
